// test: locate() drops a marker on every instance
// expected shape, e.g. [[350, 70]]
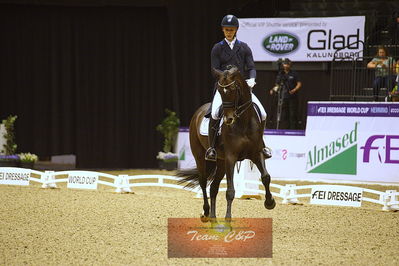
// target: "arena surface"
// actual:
[[63, 226]]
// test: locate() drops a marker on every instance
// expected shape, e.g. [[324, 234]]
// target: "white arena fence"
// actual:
[[121, 183]]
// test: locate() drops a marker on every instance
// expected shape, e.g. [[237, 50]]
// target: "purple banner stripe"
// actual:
[[184, 129], [354, 109], [282, 132]]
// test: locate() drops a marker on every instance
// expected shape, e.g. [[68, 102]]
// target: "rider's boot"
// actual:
[[267, 152], [210, 154]]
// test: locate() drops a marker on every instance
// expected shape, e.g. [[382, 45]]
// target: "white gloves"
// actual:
[[251, 82]]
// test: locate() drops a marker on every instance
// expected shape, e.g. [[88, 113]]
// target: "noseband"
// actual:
[[238, 109]]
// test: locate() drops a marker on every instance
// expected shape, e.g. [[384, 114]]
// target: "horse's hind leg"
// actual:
[[215, 187], [199, 155], [270, 203], [205, 215]]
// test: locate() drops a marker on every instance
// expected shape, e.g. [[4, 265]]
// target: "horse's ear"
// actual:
[[216, 72]]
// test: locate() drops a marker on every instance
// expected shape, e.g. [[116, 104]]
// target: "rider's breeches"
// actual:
[[217, 104]]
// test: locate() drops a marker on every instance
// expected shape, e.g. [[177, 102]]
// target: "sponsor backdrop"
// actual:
[[353, 141], [288, 149], [302, 39], [343, 141]]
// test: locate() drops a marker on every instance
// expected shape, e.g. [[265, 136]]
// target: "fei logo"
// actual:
[[374, 143]]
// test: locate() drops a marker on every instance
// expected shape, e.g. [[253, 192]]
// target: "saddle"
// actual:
[[205, 121]]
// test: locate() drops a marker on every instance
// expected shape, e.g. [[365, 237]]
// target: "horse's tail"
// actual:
[[191, 177]]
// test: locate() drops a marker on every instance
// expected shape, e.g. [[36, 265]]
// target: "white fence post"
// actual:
[[122, 183], [48, 179], [118, 184], [289, 190], [390, 201]]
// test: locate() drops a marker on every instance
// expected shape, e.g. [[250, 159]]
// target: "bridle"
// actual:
[[238, 109]]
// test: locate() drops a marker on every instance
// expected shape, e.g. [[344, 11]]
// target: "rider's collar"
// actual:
[[231, 44]]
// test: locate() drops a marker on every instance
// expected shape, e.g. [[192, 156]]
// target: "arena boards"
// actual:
[[343, 142]]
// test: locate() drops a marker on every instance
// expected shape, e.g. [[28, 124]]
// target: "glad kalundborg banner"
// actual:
[[353, 141], [302, 39]]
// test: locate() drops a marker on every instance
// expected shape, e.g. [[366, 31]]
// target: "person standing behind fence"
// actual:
[[292, 84], [384, 69]]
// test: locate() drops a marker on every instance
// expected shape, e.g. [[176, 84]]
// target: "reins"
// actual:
[[224, 86], [238, 109]]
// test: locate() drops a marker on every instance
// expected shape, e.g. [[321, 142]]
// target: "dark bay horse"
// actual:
[[241, 138]]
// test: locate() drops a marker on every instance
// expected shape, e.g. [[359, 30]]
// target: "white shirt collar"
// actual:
[[231, 44]]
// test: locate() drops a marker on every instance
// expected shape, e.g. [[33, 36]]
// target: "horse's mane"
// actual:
[[232, 71]]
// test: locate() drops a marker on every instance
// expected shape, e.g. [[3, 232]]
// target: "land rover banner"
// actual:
[[303, 39]]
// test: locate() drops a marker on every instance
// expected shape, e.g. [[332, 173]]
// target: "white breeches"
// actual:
[[217, 104]]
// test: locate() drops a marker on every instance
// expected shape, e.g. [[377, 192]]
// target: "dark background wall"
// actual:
[[93, 78]]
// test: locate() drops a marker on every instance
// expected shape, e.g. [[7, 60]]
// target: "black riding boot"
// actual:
[[267, 152], [210, 154]]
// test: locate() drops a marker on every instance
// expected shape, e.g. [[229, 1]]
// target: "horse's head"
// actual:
[[230, 86]]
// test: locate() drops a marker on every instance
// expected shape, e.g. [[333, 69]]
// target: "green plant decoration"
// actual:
[[169, 127], [10, 147]]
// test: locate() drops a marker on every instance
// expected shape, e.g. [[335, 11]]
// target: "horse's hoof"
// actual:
[[204, 218], [270, 205]]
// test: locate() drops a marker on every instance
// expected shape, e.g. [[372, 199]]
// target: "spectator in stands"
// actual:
[[396, 30], [395, 91], [288, 84], [384, 70]]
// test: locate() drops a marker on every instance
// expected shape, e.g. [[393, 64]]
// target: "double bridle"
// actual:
[[238, 109]]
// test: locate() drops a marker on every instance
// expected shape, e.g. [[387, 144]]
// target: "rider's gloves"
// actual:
[[251, 82]]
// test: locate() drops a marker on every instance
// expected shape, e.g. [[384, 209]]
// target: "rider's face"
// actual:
[[229, 32]]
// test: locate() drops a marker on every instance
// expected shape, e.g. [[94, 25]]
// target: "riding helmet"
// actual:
[[230, 21]]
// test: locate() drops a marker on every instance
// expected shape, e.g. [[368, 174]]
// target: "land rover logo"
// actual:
[[281, 43]]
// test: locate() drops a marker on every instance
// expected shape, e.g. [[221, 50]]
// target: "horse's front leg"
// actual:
[[230, 193], [270, 203], [215, 187]]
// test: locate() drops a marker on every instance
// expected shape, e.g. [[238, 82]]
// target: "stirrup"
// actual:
[[210, 154], [267, 152]]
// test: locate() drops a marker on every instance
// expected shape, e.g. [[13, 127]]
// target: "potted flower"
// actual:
[[28, 160], [8, 157], [169, 127]]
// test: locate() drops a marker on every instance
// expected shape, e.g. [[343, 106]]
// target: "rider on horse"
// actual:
[[231, 51]]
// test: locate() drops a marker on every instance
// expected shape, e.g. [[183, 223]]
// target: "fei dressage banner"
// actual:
[[348, 141], [303, 39]]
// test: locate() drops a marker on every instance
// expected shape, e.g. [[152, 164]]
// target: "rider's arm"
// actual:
[[249, 61], [215, 57]]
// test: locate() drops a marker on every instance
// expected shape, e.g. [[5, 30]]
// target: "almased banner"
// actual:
[[349, 141], [302, 39], [353, 141]]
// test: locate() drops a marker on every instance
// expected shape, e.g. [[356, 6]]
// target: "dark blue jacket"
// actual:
[[240, 56], [290, 80]]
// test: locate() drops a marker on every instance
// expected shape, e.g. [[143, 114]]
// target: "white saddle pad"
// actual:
[[205, 126]]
